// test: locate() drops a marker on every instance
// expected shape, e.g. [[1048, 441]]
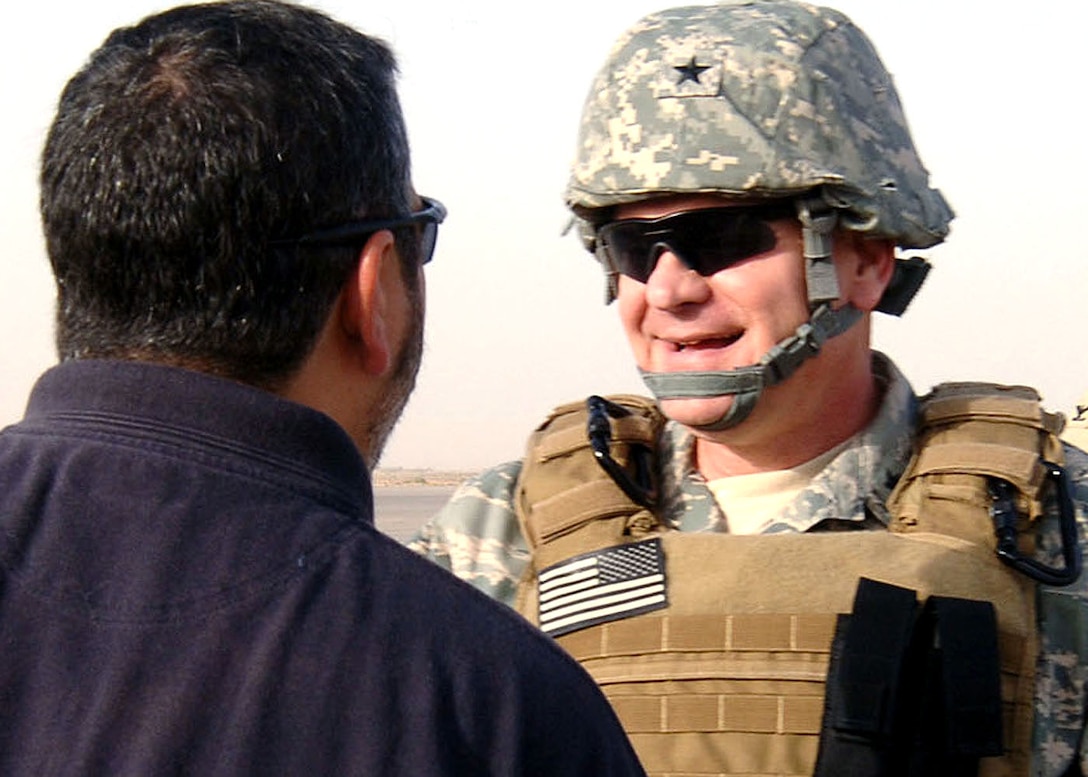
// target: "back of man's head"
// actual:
[[185, 148]]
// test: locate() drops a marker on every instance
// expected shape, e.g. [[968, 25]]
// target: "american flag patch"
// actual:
[[602, 586]]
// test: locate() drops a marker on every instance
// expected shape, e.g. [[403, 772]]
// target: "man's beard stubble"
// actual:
[[401, 382]]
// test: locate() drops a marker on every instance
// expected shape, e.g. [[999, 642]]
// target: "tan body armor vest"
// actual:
[[718, 663]]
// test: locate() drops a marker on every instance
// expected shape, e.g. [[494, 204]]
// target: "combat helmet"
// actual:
[[759, 99]]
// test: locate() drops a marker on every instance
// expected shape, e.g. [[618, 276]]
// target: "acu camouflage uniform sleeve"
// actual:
[[1062, 669], [476, 535], [1060, 737]]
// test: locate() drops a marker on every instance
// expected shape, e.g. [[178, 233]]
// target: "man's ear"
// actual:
[[366, 304], [871, 270]]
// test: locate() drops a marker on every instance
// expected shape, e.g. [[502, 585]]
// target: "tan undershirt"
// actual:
[[752, 502]]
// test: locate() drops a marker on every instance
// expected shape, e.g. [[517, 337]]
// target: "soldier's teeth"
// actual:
[[712, 342]]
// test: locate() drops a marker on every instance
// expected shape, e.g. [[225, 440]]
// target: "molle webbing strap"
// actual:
[[576, 507], [563, 496], [1013, 404], [675, 679], [970, 432], [788, 707], [587, 498], [798, 633]]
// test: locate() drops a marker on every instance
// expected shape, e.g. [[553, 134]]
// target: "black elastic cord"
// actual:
[[639, 487]]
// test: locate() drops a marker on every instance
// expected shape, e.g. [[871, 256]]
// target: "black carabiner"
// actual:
[[1003, 512], [639, 488]]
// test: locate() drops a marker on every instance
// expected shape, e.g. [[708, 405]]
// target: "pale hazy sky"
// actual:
[[516, 323]]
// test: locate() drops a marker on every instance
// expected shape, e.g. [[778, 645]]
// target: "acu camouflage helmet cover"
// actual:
[[765, 98]]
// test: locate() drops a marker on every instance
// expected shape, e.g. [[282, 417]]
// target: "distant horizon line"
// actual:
[[384, 477]]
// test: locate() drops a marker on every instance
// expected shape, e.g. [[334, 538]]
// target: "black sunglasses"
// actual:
[[349, 233], [706, 240]]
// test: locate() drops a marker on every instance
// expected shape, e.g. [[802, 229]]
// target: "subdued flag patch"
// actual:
[[602, 586]]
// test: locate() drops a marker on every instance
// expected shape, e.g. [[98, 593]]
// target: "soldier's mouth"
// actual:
[[706, 344]]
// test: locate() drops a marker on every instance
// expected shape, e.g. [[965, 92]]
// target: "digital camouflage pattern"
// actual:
[[760, 98], [1063, 624], [477, 537]]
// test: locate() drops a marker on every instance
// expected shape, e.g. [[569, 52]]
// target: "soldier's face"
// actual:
[[679, 321]]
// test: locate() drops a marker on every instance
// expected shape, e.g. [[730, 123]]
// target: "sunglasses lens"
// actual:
[[427, 240], [712, 244], [630, 247], [707, 240]]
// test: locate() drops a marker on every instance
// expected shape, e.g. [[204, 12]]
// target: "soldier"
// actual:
[[789, 563]]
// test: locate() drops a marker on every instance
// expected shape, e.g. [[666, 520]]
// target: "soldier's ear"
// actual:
[[867, 267]]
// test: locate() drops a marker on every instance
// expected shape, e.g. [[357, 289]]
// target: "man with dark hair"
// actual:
[[191, 579]]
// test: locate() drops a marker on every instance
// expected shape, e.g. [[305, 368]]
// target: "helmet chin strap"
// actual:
[[747, 383]]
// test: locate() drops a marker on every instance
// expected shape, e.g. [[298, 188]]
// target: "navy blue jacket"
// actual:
[[191, 583]]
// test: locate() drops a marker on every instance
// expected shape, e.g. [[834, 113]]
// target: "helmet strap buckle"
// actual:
[[818, 221]]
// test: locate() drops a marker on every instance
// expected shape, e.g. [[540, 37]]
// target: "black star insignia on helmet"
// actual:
[[690, 72]]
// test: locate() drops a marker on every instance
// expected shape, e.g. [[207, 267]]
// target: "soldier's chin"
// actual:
[[698, 411]]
